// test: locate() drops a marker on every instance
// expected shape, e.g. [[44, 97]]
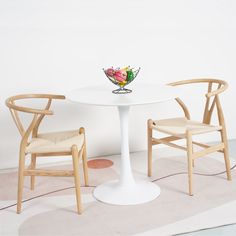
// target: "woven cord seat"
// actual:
[[55, 142], [181, 125]]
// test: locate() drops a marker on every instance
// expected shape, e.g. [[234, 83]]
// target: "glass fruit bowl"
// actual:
[[121, 77]]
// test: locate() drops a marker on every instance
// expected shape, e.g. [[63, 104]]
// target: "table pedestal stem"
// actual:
[[126, 176]]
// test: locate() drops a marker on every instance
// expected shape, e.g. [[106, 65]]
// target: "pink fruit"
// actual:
[[110, 71], [119, 75], [118, 78]]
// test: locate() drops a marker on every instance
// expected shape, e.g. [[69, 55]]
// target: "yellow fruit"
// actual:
[[125, 68]]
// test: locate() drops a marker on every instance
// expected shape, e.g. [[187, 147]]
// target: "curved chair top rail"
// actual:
[[223, 85], [10, 102]]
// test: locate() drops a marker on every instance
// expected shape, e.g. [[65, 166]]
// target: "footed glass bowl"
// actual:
[[121, 78]]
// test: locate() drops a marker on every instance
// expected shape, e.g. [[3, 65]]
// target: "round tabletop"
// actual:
[[101, 95]]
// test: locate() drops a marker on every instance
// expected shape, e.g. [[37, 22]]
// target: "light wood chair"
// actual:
[[185, 128], [46, 144]]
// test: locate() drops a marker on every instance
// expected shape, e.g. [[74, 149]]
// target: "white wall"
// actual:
[[57, 45]]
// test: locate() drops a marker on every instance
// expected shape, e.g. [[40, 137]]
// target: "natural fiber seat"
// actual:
[[55, 142], [38, 145], [179, 126], [186, 128]]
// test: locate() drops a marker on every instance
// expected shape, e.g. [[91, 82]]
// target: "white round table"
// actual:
[[125, 191]]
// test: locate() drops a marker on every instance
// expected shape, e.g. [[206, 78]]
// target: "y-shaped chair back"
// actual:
[[210, 95]]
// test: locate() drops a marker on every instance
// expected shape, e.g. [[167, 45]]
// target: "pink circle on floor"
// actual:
[[99, 163]]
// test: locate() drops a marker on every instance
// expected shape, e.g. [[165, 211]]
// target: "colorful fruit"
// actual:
[[110, 71], [119, 76], [125, 68], [130, 75]]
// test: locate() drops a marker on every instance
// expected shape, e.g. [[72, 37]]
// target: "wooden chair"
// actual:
[[185, 128], [46, 144]]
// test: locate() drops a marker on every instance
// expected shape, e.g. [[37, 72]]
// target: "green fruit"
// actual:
[[130, 75]]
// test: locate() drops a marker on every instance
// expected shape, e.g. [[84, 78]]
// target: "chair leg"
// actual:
[[75, 157], [85, 166], [226, 153], [20, 181], [33, 165], [149, 137], [190, 162], [84, 158]]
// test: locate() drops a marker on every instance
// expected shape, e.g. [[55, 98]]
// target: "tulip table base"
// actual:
[[114, 193]]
